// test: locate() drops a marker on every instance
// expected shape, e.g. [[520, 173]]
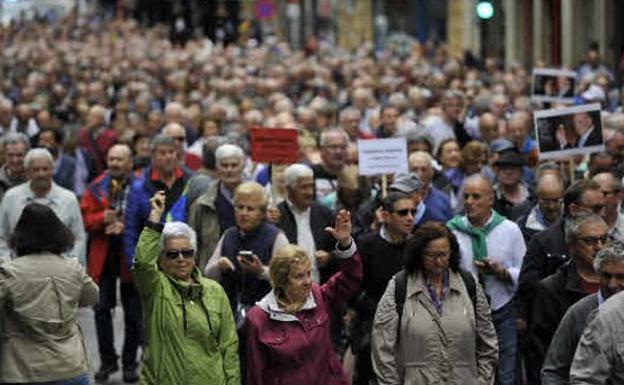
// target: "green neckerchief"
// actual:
[[477, 235]]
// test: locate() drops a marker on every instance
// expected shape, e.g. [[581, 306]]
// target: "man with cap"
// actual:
[[382, 257], [497, 148], [509, 189], [411, 185]]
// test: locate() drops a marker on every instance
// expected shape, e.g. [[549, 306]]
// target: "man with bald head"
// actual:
[[518, 128], [177, 132], [488, 128], [102, 207], [437, 203], [547, 212], [95, 139], [611, 187], [492, 247]]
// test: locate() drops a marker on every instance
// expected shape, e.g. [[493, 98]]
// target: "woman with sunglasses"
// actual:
[[191, 338]]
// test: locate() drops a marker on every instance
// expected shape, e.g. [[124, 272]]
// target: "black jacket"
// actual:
[[545, 253], [553, 296], [320, 218]]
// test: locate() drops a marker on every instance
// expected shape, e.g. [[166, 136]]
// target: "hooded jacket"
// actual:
[[191, 338]]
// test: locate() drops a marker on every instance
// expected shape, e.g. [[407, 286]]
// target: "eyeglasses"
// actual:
[[550, 201], [186, 253], [434, 255], [179, 138], [593, 241], [404, 212]]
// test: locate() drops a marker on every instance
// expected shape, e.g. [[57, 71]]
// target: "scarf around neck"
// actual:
[[477, 235]]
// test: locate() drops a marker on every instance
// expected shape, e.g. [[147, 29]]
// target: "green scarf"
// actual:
[[477, 235]]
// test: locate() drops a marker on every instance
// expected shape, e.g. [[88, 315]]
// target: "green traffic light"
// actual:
[[485, 10]]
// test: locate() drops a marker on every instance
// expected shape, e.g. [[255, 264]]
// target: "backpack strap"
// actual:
[[471, 287], [400, 291]]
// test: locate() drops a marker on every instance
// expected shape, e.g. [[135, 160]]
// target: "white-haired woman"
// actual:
[[189, 325]]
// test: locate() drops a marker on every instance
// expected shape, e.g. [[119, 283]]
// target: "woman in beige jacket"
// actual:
[[40, 292], [441, 337]]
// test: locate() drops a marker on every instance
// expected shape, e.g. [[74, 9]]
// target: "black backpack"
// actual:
[[400, 290]]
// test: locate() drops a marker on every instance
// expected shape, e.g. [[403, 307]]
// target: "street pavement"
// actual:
[[87, 323]]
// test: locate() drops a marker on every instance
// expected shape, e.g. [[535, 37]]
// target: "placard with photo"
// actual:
[[553, 85], [563, 132]]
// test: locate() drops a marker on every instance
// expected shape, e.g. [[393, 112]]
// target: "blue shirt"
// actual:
[[438, 206]]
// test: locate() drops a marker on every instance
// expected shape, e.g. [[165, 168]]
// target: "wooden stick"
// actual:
[[384, 186], [572, 166]]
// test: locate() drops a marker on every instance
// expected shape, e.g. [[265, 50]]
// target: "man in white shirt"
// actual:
[[492, 247], [40, 188], [303, 220]]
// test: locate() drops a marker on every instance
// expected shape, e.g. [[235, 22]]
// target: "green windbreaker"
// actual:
[[191, 337]]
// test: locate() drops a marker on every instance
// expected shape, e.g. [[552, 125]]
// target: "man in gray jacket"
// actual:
[[609, 264], [599, 357]]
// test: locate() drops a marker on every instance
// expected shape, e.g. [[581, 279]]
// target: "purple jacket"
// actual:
[[296, 349]]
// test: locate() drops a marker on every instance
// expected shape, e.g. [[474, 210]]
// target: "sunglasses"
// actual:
[[404, 212], [186, 253]]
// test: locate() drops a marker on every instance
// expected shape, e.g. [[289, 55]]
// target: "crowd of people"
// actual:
[[130, 156]]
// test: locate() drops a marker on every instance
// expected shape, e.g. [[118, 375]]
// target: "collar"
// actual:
[[155, 176], [535, 220], [295, 210], [585, 136], [227, 194], [383, 233], [51, 196], [270, 306], [420, 212], [601, 297], [418, 282]]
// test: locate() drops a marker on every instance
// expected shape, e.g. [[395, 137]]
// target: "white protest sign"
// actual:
[[382, 156]]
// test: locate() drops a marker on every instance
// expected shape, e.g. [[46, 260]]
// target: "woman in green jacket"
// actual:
[[191, 338]]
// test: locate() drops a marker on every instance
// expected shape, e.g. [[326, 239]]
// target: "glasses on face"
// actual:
[[179, 138], [404, 212], [436, 255], [185, 253], [608, 277], [606, 193], [550, 201], [593, 241], [596, 209]]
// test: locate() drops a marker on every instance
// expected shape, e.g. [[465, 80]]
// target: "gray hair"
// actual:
[[325, 134], [573, 225], [614, 252], [16, 138], [296, 171], [348, 111], [37, 153], [178, 230], [161, 140], [228, 151]]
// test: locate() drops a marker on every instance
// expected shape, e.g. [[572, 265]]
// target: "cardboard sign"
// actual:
[[563, 132], [382, 156], [274, 145], [553, 85]]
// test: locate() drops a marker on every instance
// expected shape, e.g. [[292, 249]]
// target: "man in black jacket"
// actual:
[[609, 264], [547, 251], [303, 220], [586, 235]]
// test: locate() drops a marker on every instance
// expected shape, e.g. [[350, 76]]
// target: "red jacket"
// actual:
[[92, 205], [300, 352]]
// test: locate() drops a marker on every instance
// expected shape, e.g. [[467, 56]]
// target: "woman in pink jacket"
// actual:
[[288, 331]]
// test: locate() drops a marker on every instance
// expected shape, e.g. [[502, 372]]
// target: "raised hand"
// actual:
[[342, 229], [157, 204]]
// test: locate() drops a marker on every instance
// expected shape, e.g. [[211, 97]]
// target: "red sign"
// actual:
[[264, 9], [274, 145]]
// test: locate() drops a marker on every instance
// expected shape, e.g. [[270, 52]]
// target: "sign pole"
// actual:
[[572, 166], [384, 186]]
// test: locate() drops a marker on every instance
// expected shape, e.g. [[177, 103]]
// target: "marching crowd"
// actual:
[[126, 159]]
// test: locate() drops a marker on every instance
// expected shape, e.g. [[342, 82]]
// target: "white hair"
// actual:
[[227, 151], [37, 153], [333, 131], [296, 171], [178, 230]]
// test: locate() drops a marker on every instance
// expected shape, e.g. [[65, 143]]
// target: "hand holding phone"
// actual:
[[247, 255]]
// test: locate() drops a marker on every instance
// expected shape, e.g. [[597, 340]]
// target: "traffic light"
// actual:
[[485, 10]]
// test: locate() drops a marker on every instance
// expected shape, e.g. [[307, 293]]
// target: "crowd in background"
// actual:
[[118, 131]]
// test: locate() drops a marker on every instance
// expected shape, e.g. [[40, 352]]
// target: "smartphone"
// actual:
[[248, 255]]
